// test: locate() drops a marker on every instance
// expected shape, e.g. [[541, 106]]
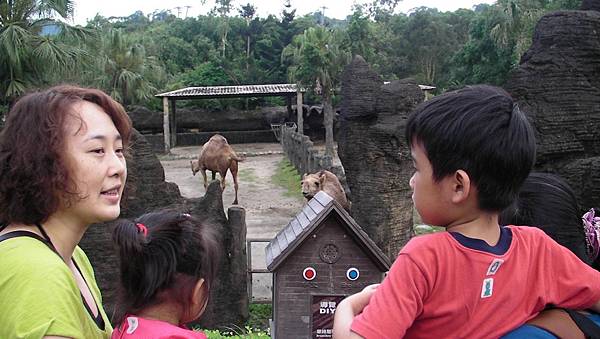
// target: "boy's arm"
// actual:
[[348, 309]]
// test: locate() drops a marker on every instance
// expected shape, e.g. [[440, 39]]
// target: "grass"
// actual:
[[247, 175], [288, 178], [257, 326], [245, 333], [425, 229]]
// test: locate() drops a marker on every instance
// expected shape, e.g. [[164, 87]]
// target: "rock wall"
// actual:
[[374, 153], [146, 190], [203, 120], [558, 85]]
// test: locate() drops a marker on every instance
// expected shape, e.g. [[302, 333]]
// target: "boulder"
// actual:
[[375, 155], [558, 85]]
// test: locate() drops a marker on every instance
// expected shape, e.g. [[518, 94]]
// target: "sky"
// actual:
[[339, 9]]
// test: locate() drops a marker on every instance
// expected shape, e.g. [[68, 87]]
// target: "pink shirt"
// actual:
[[438, 288], [136, 327]]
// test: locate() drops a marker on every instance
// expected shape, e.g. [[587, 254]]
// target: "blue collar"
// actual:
[[480, 245]]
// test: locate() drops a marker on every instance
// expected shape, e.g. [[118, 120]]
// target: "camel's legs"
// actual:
[[204, 176], [223, 175], [214, 175], [234, 171]]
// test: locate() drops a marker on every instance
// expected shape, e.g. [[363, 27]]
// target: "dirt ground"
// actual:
[[268, 210]]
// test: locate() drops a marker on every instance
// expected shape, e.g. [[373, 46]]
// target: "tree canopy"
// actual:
[[136, 56]]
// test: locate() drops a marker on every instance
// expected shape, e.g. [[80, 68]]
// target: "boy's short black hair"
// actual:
[[480, 130]]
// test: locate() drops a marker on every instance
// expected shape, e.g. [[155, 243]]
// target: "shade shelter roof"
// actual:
[[212, 92]]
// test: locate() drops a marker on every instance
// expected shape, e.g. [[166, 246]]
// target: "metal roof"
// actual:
[[232, 91], [301, 226]]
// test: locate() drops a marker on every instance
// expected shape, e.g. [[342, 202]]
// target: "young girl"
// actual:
[[62, 168], [168, 262]]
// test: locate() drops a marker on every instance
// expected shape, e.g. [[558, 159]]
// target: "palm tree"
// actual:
[[317, 62], [126, 73], [515, 20], [28, 55]]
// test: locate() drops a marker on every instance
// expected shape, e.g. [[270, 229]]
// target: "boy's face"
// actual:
[[428, 195]]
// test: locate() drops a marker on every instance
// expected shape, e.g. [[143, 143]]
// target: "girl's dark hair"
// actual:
[[546, 201], [34, 176], [171, 256], [480, 130]]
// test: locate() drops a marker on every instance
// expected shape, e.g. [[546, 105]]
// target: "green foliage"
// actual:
[[288, 178], [246, 333], [136, 56], [126, 72], [29, 59], [260, 315], [257, 326]]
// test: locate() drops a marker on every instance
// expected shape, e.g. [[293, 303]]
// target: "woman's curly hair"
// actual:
[[34, 176]]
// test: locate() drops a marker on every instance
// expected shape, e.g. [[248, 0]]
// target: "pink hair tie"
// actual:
[[591, 225], [142, 228]]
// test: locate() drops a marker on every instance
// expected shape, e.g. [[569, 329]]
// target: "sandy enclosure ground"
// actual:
[[268, 210]]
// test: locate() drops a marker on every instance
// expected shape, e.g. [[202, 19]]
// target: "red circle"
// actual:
[[309, 273]]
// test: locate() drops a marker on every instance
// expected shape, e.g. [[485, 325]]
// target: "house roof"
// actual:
[[211, 92], [305, 222]]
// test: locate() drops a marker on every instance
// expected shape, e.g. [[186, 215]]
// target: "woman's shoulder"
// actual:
[[28, 254], [29, 266]]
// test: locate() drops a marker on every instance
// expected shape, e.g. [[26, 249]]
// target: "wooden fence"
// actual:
[[302, 153]]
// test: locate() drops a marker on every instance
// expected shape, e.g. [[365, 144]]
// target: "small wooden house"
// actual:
[[319, 258]]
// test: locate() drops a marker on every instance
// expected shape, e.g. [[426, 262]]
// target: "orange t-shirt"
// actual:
[[440, 288]]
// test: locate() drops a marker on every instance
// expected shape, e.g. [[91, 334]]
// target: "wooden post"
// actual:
[[288, 104], [166, 128], [173, 123], [299, 110]]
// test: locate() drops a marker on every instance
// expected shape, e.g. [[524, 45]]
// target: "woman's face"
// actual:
[[94, 157]]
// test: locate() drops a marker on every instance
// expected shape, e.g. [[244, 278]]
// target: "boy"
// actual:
[[472, 149]]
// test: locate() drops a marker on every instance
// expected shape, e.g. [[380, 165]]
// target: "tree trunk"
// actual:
[[328, 120]]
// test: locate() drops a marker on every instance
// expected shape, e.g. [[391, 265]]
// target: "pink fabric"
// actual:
[[136, 327], [436, 288]]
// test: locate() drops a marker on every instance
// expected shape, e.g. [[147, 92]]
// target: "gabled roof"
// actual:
[[231, 91], [303, 224]]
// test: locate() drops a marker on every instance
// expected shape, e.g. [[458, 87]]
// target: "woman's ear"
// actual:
[[200, 297], [461, 186]]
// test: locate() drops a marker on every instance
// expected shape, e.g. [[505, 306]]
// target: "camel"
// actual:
[[327, 182], [217, 156]]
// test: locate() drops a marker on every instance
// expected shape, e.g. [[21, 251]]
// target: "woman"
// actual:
[[62, 168]]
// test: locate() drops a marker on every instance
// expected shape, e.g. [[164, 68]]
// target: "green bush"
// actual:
[[259, 316], [245, 333]]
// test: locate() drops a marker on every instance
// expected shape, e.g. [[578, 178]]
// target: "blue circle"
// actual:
[[352, 273]]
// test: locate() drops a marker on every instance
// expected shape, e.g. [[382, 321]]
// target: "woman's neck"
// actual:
[[65, 233]]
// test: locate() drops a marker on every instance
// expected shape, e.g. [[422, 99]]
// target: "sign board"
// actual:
[[323, 307]]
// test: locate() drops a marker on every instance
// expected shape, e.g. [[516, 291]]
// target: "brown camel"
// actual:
[[217, 156], [327, 182]]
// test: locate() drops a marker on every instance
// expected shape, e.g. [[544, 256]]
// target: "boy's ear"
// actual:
[[461, 186]]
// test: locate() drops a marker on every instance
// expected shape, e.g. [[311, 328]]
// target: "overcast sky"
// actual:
[[87, 9]]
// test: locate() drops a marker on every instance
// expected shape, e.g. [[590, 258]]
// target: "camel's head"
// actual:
[[195, 166], [312, 184]]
